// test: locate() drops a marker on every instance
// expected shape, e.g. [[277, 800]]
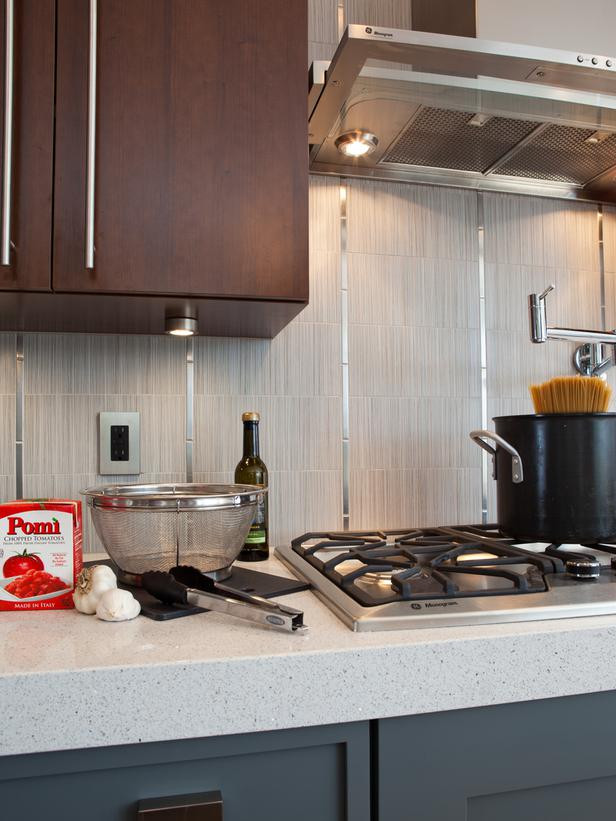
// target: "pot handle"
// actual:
[[517, 471]]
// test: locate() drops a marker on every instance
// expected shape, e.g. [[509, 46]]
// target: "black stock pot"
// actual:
[[555, 476]]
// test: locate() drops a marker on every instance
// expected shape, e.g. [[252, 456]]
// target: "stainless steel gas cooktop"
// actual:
[[446, 576]]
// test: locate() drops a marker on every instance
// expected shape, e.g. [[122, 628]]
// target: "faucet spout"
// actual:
[[589, 358], [538, 316]]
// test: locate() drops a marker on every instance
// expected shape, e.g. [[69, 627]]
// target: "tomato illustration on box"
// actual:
[[40, 553]]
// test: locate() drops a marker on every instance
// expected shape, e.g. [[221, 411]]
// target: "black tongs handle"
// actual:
[[164, 587]]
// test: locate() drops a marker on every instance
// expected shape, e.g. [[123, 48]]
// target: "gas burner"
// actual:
[[588, 568], [578, 565]]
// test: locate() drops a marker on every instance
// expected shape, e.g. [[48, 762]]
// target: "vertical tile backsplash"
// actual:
[[414, 361], [412, 257]]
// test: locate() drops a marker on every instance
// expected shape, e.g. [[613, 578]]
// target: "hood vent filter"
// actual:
[[562, 154], [439, 138]]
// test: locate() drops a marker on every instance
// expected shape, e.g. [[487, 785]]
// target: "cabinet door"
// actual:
[[201, 151], [549, 760], [29, 172]]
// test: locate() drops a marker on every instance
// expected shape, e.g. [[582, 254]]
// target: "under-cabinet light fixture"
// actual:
[[181, 326]]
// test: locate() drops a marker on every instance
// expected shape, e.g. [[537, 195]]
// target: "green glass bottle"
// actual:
[[251, 470]]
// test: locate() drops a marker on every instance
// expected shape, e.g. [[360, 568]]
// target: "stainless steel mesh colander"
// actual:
[[156, 527]]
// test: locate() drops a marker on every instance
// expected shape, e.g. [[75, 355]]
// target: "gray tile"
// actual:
[[390, 13], [414, 498], [609, 238], [443, 427], [136, 365], [324, 204], [303, 360], [610, 300], [7, 488], [514, 231], [383, 432], [301, 501], [412, 220], [57, 363], [323, 21], [540, 232], [392, 290], [406, 433], [7, 364], [402, 361], [218, 361], [7, 437], [376, 355]]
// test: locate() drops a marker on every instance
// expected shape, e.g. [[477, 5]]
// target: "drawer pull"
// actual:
[[205, 806]]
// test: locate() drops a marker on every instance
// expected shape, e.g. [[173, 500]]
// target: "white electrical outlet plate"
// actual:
[[118, 443]]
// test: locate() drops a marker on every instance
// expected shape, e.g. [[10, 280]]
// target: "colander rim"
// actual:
[[174, 496]]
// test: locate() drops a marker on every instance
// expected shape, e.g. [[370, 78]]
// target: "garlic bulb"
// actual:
[[117, 605], [91, 584]]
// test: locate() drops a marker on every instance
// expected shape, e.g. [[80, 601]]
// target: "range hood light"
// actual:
[[181, 326], [356, 143]]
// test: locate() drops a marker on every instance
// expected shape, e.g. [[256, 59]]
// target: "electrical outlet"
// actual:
[[118, 443]]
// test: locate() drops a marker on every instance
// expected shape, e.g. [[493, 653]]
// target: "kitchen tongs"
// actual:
[[187, 585]]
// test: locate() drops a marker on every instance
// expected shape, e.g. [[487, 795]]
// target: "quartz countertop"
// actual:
[[88, 683]]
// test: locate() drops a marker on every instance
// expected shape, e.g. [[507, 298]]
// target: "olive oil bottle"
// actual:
[[251, 470]]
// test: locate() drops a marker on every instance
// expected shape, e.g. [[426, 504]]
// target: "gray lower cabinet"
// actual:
[[552, 760], [310, 774]]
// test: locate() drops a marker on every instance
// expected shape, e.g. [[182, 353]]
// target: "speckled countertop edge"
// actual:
[[89, 684]]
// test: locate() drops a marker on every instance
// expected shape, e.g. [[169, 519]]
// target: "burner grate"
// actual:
[[379, 567]]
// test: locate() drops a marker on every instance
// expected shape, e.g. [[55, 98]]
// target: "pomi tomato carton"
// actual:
[[40, 553]]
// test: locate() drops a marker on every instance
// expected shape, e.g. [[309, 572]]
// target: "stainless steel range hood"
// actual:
[[466, 112]]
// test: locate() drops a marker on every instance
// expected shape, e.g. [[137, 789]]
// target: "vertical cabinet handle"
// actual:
[[7, 143], [91, 151]]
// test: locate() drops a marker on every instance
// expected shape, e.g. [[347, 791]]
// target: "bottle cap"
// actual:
[[250, 416]]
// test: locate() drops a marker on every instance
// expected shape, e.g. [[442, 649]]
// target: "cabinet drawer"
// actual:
[[315, 773]]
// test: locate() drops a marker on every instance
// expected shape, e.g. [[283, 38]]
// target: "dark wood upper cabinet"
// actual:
[[30, 172], [201, 182]]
